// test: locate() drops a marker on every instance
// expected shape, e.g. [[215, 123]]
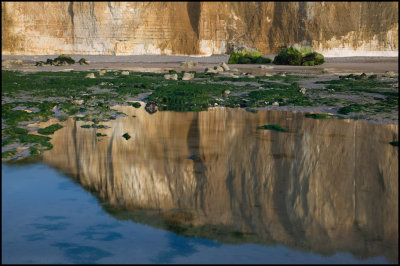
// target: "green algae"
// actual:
[[273, 127], [50, 129]]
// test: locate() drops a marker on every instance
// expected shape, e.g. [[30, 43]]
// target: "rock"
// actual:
[[90, 75], [226, 92], [266, 67], [115, 73], [283, 75], [189, 64], [251, 76], [151, 107], [218, 69], [275, 104], [171, 76], [210, 70], [83, 61], [215, 104], [389, 74], [235, 70], [225, 66], [303, 90], [188, 76], [78, 102], [125, 73], [235, 76], [102, 72], [268, 75]]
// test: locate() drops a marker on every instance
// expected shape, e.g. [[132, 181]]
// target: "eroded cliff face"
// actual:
[[329, 185], [198, 28]]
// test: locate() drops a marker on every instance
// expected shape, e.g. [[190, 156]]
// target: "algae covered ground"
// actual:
[[31, 97]]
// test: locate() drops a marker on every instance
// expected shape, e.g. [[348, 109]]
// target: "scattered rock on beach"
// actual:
[[90, 75], [303, 90], [389, 74], [225, 66], [125, 73], [171, 76], [188, 76]]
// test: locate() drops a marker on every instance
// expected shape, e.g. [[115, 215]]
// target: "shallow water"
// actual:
[[207, 187]]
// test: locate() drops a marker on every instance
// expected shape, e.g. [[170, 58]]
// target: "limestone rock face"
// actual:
[[330, 185], [198, 28]]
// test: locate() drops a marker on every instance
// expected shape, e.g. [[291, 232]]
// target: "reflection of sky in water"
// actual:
[[48, 218]]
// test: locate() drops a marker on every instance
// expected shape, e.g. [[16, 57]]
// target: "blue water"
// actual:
[[49, 218]]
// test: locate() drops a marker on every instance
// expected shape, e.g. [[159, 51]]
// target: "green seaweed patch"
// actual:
[[304, 57], [86, 126], [248, 57], [394, 143], [8, 154], [100, 135], [273, 127], [135, 104], [126, 136], [50, 129]]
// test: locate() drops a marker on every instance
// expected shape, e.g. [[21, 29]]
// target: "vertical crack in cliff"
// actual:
[[194, 11], [71, 14], [193, 142]]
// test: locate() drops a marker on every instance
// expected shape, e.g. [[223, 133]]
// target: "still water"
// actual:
[[206, 187]]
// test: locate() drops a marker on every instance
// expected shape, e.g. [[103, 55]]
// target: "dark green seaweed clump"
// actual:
[[248, 57], [273, 127], [83, 61], [135, 104], [50, 129], [62, 60], [126, 136], [292, 56], [394, 143]]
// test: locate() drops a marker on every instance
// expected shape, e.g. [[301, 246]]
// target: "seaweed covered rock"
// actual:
[[83, 61], [288, 56], [312, 59], [62, 60], [302, 57], [247, 57]]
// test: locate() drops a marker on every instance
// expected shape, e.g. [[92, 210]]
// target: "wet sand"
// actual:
[[163, 63]]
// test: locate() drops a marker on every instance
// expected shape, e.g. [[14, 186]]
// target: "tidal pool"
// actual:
[[206, 187]]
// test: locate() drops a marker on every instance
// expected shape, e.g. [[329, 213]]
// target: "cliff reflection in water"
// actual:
[[325, 186]]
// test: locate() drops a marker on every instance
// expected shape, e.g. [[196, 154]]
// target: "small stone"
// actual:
[[90, 75], [125, 73], [226, 92], [389, 74], [102, 72], [235, 70], [251, 76], [303, 90], [77, 102], [188, 76], [210, 70], [268, 75], [225, 66], [283, 75], [215, 104], [275, 104], [219, 69], [266, 67], [171, 76]]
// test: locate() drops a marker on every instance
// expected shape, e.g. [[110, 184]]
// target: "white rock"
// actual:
[[77, 102], [210, 70], [275, 104], [389, 74], [125, 73], [251, 76], [102, 72], [225, 66], [171, 76], [219, 69], [90, 75], [188, 76], [303, 90], [226, 92], [235, 70]]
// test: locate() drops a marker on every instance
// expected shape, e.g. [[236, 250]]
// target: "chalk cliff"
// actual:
[[198, 28], [329, 185]]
